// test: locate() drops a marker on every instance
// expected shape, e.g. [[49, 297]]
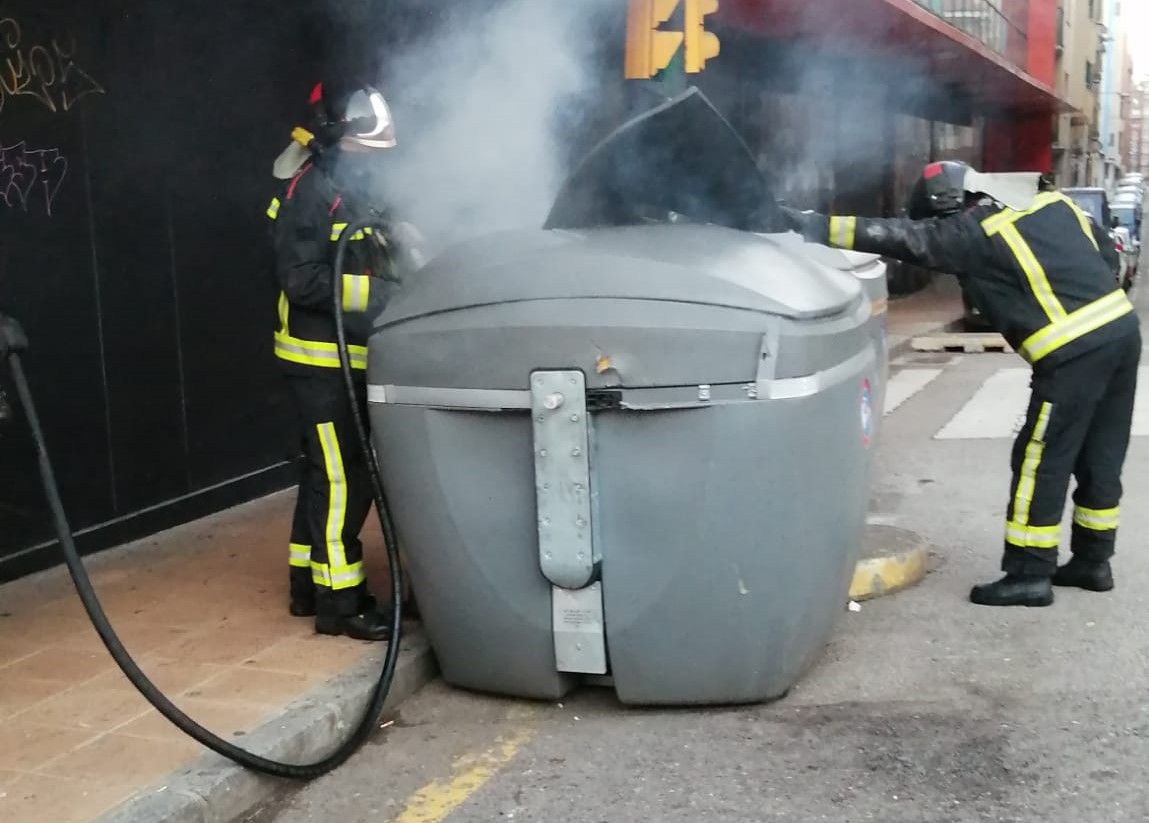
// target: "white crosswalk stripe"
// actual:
[[997, 409], [905, 384]]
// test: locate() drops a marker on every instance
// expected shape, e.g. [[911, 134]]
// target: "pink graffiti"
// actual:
[[31, 177]]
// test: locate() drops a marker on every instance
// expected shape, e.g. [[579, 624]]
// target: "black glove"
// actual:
[[795, 220]]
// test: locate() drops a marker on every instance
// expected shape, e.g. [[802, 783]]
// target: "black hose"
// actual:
[[125, 661]]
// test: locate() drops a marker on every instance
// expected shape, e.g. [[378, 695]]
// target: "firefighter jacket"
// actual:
[[308, 218], [1036, 274]]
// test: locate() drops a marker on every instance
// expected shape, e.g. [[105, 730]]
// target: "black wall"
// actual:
[[138, 139]]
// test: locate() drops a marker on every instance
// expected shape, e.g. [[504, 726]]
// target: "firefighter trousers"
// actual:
[[326, 555], [1078, 423]]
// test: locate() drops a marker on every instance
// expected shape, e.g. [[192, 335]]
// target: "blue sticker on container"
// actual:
[[867, 413]]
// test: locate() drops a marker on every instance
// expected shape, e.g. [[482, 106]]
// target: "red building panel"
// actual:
[[1018, 76]]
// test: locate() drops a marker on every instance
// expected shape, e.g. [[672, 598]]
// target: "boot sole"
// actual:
[[1033, 603], [1100, 588], [340, 632]]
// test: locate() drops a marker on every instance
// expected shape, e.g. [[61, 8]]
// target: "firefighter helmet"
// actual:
[[940, 191], [360, 115]]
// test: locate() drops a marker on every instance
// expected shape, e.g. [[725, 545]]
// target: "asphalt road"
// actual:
[[925, 708]]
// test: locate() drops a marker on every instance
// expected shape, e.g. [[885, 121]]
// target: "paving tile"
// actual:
[[311, 655], [255, 686], [225, 718], [90, 709], [210, 645], [37, 798], [180, 609], [26, 744], [17, 695], [59, 664], [14, 649], [121, 759], [8, 780], [171, 676], [138, 636]]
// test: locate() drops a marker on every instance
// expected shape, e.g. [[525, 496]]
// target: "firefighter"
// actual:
[[1031, 263], [328, 178]]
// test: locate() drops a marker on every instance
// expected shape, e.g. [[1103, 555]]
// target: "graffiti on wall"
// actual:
[[45, 71], [30, 179]]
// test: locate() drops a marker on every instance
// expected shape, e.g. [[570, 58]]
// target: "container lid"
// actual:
[[703, 265]]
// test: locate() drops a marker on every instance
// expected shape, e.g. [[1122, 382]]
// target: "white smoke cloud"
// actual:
[[487, 150]]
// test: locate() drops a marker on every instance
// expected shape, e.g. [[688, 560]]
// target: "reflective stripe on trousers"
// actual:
[[1018, 531], [337, 573]]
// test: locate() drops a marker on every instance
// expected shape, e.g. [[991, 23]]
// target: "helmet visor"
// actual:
[[369, 121]]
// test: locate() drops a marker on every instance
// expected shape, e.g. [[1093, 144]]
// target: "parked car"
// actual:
[[1128, 215], [1093, 201], [1128, 254]]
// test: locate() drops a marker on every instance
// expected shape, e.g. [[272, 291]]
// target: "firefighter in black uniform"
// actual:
[[1036, 273], [328, 185]]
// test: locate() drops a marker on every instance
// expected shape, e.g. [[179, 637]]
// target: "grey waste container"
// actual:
[[871, 273], [635, 456]]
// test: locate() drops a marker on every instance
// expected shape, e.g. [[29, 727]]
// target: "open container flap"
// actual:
[[679, 162]]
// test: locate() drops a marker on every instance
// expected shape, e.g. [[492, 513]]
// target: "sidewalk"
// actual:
[[934, 307], [204, 610]]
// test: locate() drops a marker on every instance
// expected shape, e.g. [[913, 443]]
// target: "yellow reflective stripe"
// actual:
[[993, 224], [1076, 325], [356, 291], [1027, 481], [338, 577], [302, 136], [1098, 520], [336, 495], [1034, 273], [284, 310], [337, 230], [843, 231], [316, 353], [321, 574], [300, 556], [273, 209], [1032, 537]]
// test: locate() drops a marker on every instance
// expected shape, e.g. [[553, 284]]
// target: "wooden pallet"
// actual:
[[968, 342]]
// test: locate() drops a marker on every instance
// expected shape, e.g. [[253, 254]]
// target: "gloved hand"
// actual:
[[795, 220]]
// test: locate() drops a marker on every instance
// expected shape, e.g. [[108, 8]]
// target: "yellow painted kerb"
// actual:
[[433, 802], [878, 576]]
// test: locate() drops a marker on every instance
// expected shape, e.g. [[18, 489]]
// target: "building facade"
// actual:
[[1077, 147]]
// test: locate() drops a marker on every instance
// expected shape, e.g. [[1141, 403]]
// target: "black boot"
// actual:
[[1014, 590], [1083, 574], [370, 625], [304, 605]]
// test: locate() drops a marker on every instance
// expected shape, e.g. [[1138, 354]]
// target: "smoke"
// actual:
[[483, 105]]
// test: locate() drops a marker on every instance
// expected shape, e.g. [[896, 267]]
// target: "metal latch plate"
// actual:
[[562, 477], [580, 634]]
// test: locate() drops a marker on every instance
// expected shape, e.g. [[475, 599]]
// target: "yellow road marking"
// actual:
[[436, 800]]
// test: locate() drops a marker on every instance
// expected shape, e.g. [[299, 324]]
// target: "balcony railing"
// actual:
[[985, 21]]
